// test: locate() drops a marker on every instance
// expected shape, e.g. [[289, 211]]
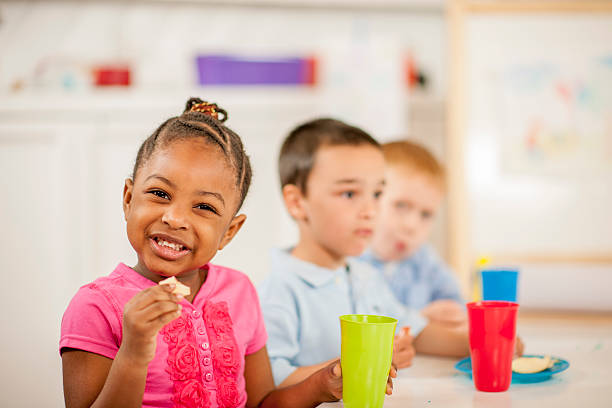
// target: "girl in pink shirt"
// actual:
[[127, 341]]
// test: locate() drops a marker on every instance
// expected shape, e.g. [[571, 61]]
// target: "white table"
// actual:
[[586, 344]]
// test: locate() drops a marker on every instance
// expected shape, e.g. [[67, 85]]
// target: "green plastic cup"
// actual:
[[367, 348]]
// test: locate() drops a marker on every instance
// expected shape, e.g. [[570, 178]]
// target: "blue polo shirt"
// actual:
[[419, 279], [302, 303]]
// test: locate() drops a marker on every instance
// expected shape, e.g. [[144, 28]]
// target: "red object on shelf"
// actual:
[[112, 75], [311, 71], [411, 71], [414, 77]]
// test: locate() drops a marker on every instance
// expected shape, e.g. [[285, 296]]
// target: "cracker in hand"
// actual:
[[179, 289]]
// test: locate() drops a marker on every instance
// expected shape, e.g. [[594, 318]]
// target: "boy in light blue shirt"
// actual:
[[415, 273], [332, 175], [302, 302]]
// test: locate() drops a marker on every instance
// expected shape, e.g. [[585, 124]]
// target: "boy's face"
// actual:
[[338, 213], [408, 207], [180, 208]]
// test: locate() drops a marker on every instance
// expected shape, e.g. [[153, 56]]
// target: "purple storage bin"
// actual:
[[228, 70]]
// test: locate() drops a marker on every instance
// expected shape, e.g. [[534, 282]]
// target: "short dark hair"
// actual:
[[297, 155], [198, 121]]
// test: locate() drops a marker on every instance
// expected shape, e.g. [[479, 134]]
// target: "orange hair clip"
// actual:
[[210, 109]]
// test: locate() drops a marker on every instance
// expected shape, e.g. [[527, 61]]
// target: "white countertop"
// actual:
[[585, 344]]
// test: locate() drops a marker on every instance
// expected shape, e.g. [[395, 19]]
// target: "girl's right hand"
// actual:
[[143, 317]]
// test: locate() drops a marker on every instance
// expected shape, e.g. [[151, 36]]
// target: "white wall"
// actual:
[[539, 152], [65, 150]]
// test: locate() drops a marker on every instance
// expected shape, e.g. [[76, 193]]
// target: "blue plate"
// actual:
[[465, 366]]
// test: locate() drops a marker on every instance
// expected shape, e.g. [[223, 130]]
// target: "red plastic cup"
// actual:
[[492, 336]]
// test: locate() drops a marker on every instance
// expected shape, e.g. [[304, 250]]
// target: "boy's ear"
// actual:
[[232, 230], [293, 197], [127, 196]]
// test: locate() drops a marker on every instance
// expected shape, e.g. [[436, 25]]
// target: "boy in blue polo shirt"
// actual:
[[332, 175]]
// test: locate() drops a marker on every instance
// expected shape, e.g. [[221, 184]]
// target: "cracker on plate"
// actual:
[[530, 365]]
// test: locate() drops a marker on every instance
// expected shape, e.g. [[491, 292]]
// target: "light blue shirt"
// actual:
[[419, 279], [302, 303]]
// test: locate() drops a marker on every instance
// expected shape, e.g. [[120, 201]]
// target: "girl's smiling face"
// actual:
[[180, 209]]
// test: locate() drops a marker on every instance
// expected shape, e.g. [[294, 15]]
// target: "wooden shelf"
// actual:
[[406, 5], [568, 258], [538, 6], [116, 99]]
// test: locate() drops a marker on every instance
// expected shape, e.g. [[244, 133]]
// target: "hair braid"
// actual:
[[201, 119]]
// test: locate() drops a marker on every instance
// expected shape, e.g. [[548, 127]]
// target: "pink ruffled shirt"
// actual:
[[199, 360]]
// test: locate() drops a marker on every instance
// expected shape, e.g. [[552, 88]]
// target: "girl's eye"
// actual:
[[348, 194], [426, 215], [377, 195], [206, 207], [160, 194]]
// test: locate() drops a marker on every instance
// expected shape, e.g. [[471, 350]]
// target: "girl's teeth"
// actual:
[[176, 247]]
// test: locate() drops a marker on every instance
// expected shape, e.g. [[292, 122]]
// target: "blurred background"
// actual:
[[515, 98]]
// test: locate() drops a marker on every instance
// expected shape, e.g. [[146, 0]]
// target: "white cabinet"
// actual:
[[42, 259]]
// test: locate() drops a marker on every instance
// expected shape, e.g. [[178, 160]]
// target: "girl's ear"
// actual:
[[293, 197], [127, 196], [232, 230]]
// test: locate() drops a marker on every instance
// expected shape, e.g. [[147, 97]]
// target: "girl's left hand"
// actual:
[[332, 381], [392, 374], [331, 377]]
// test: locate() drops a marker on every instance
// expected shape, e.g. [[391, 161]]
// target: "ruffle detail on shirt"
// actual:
[[224, 349], [183, 365]]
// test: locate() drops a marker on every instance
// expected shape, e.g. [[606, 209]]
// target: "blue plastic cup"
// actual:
[[499, 284]]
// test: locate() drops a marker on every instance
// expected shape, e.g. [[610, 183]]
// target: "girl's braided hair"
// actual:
[[206, 120]]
